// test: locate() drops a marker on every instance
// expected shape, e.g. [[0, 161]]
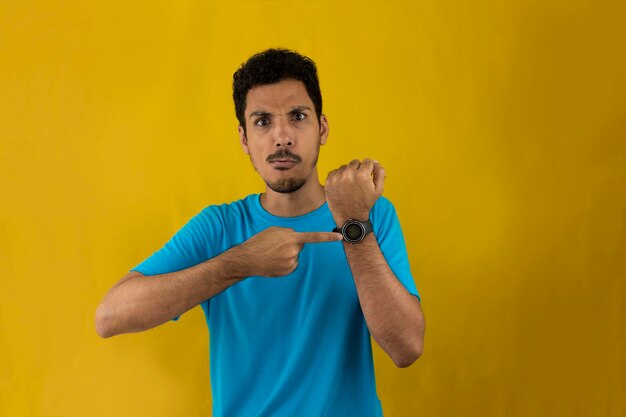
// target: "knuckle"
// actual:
[[292, 267]]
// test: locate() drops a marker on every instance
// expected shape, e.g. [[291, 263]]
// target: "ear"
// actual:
[[243, 140], [323, 129]]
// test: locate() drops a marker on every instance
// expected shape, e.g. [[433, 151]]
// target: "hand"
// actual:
[[352, 190], [274, 251]]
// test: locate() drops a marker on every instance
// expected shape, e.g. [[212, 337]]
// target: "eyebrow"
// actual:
[[261, 113]]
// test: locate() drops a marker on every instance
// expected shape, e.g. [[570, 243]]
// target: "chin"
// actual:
[[286, 185]]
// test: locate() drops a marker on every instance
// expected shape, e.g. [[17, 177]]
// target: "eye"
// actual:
[[299, 116], [262, 122]]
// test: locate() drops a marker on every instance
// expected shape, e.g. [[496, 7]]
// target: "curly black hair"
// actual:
[[272, 66]]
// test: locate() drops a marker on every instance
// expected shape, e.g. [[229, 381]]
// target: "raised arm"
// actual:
[[393, 315]]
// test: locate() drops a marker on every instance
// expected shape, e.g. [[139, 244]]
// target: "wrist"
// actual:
[[233, 264], [367, 238], [354, 230], [340, 220]]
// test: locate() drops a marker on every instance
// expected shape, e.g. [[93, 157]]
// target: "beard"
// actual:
[[286, 185]]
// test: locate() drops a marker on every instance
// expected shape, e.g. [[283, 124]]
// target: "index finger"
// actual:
[[319, 237]]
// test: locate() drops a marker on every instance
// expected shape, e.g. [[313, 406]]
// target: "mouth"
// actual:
[[283, 164]]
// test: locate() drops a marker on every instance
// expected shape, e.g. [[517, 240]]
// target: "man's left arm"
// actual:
[[393, 315]]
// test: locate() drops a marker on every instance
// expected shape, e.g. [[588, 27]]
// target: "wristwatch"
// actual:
[[354, 231]]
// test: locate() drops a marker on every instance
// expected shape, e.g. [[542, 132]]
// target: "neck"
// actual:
[[308, 198]]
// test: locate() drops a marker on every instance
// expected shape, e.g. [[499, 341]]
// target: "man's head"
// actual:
[[281, 127], [272, 66]]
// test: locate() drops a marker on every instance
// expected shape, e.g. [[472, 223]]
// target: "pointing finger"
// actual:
[[319, 237]]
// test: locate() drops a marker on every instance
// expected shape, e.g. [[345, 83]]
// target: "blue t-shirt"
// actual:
[[293, 345]]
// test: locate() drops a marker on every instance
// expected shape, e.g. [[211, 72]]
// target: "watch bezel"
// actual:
[[365, 226], [350, 222]]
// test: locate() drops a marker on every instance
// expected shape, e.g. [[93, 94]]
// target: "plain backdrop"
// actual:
[[501, 125]]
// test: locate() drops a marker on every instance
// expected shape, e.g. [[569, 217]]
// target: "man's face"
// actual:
[[283, 134]]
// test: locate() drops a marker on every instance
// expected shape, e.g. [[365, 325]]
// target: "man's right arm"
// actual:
[[138, 302]]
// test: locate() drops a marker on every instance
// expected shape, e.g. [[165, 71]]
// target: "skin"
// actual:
[[393, 315], [283, 137], [282, 117]]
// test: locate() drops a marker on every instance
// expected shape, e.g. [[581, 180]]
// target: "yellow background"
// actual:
[[501, 125]]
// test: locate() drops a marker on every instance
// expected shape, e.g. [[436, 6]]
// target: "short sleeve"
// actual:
[[391, 241], [187, 248]]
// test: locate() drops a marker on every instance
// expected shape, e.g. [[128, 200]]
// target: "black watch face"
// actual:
[[353, 231]]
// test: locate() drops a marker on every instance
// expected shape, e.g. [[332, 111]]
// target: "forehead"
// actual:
[[277, 97]]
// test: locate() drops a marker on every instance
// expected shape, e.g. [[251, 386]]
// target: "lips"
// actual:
[[283, 164]]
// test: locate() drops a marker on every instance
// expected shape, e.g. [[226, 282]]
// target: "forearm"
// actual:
[[393, 315], [144, 302]]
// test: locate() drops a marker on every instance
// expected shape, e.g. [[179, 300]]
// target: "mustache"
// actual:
[[284, 154]]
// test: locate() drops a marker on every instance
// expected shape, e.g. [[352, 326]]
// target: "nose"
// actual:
[[283, 135]]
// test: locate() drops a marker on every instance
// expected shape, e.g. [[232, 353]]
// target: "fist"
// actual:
[[351, 190], [274, 251]]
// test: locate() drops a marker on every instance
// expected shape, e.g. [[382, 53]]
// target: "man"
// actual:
[[289, 306]]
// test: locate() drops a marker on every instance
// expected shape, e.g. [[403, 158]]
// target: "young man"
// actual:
[[292, 281]]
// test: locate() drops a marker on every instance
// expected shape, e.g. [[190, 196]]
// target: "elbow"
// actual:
[[412, 344], [103, 327], [409, 357]]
